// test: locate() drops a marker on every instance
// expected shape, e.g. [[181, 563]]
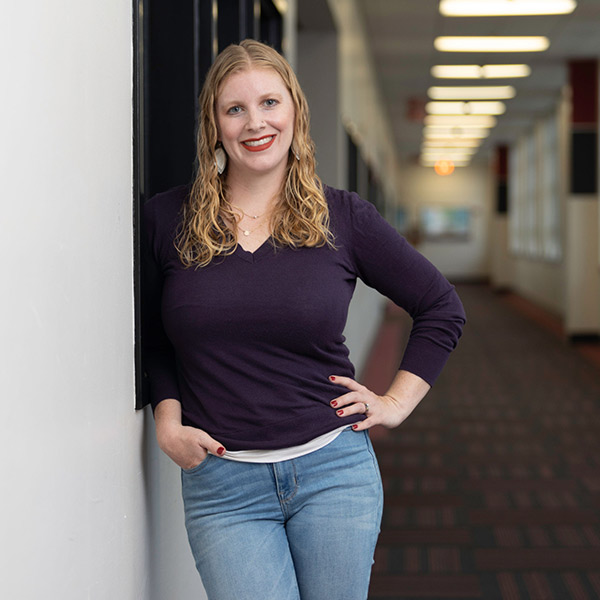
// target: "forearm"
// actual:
[[407, 390], [167, 415]]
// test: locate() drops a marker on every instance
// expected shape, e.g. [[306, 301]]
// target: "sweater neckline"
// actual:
[[255, 256]]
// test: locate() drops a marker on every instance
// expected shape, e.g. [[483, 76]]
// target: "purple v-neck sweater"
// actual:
[[247, 343]]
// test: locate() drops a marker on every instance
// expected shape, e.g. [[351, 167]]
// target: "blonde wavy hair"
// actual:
[[301, 217]]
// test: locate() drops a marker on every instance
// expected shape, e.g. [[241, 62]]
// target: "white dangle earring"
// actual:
[[220, 159]]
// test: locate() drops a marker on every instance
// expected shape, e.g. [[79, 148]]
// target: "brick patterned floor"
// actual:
[[493, 485]]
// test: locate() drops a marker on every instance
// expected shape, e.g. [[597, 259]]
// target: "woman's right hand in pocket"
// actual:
[[187, 446], [184, 445]]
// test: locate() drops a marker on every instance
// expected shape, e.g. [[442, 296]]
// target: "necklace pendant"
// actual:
[[246, 232]]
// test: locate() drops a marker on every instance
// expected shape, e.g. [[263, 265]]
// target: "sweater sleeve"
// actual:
[[385, 261], [158, 354]]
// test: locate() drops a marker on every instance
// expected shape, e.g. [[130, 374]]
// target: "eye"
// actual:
[[234, 110], [270, 102]]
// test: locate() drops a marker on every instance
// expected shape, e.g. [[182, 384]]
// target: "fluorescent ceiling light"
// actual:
[[460, 121], [451, 143], [429, 158], [497, 8], [465, 108], [454, 133], [436, 157], [487, 92], [505, 71], [452, 149], [455, 159], [500, 43], [480, 71], [449, 150]]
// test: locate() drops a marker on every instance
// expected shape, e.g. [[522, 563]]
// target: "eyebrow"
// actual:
[[233, 102]]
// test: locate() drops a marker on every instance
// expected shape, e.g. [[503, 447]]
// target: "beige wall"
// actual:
[[468, 187]]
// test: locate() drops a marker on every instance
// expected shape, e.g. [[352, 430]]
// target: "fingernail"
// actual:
[[339, 412], [332, 378], [334, 403], [221, 451], [354, 426]]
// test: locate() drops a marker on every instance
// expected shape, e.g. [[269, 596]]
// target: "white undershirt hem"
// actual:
[[281, 454]]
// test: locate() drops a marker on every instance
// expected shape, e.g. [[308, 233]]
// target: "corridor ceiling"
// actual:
[[401, 34]]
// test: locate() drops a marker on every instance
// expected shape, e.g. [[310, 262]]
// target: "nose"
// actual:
[[255, 120]]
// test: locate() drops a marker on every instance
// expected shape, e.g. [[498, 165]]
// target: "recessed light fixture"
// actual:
[[426, 162], [498, 8], [444, 167], [464, 121], [480, 71], [465, 108], [487, 92], [493, 43]]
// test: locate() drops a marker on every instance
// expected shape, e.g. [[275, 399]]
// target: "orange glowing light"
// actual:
[[444, 167]]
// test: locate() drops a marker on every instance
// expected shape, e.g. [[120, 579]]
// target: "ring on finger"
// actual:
[[366, 407]]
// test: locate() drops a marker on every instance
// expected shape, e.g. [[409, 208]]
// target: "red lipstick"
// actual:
[[259, 147]]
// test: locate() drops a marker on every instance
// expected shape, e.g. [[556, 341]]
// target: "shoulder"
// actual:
[[349, 212], [162, 212], [169, 203], [342, 200]]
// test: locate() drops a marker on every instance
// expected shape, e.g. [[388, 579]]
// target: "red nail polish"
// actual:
[[354, 426], [332, 378], [333, 403], [339, 412], [221, 451]]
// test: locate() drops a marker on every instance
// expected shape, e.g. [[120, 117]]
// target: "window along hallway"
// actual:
[[493, 484]]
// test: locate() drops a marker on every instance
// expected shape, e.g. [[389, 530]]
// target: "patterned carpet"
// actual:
[[493, 484]]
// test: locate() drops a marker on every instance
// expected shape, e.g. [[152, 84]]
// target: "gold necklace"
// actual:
[[246, 232], [244, 212]]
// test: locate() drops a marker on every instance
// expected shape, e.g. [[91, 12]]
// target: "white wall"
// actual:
[[74, 507], [321, 88], [468, 187], [78, 504], [361, 105]]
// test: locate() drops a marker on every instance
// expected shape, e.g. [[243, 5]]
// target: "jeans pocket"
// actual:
[[199, 466]]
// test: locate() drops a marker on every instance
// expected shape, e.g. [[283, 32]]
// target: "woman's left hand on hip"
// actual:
[[360, 400]]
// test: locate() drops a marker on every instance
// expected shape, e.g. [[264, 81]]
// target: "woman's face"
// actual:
[[255, 122]]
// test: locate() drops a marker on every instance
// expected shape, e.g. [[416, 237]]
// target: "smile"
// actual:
[[259, 144]]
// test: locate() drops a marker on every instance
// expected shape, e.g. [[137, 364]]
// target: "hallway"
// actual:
[[493, 484]]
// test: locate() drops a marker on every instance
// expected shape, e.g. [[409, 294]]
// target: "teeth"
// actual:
[[259, 142]]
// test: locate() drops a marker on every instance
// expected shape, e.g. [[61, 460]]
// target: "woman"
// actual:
[[247, 279]]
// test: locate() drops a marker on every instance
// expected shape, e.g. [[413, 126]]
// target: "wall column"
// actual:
[[582, 280], [501, 262]]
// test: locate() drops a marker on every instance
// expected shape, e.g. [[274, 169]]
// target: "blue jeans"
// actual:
[[302, 529]]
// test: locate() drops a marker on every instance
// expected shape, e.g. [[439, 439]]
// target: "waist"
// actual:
[[281, 454]]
